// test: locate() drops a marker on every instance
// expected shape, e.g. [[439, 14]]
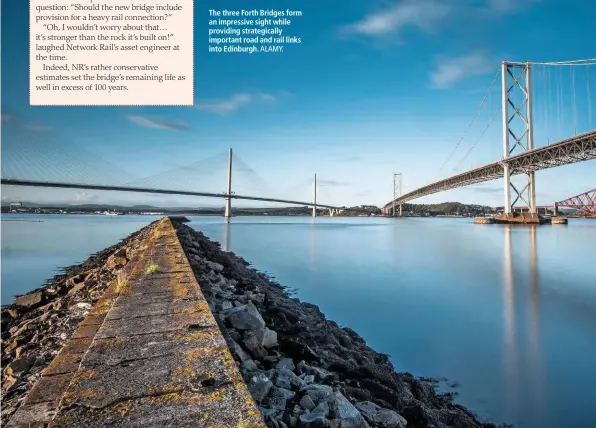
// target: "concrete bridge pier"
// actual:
[[228, 209]]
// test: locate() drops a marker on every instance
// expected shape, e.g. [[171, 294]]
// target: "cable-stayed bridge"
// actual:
[[520, 156], [134, 188], [45, 160]]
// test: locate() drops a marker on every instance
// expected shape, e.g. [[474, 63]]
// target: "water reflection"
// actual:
[[226, 235], [535, 342], [512, 360], [534, 296], [510, 348], [313, 241]]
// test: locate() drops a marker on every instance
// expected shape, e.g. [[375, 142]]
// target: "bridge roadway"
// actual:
[[148, 354], [579, 148], [32, 183]]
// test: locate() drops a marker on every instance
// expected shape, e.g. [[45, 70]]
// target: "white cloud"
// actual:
[[451, 70], [157, 124], [230, 105], [421, 14]]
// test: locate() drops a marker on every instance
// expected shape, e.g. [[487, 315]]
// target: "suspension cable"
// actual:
[[473, 119], [587, 61], [497, 110], [550, 97], [559, 96], [574, 109], [589, 97]]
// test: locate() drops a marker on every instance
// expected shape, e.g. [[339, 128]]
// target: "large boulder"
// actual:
[[238, 351], [117, 260], [285, 378], [285, 363], [246, 317], [29, 301], [269, 338], [215, 266], [317, 372], [19, 366], [252, 343], [342, 409], [382, 418], [259, 386]]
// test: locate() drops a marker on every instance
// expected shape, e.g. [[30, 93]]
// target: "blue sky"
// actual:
[[375, 87]]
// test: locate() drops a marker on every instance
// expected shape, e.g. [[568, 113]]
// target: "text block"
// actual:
[[106, 52]]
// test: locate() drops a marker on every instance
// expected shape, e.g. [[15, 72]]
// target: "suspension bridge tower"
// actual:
[[396, 193], [518, 132]]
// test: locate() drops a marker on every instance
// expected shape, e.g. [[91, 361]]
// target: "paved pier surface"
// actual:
[[148, 354]]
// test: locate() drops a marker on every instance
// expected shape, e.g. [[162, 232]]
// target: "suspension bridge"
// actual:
[[520, 156], [32, 159]]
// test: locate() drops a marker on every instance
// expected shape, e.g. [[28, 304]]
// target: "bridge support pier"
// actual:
[[228, 209]]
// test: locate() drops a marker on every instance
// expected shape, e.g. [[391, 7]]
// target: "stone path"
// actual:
[[148, 354]]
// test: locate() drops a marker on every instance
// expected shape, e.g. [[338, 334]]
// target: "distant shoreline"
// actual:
[[243, 214]]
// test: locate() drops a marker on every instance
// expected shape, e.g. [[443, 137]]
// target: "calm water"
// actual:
[[508, 313]]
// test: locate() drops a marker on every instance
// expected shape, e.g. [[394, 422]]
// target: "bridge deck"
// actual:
[[578, 148], [148, 354]]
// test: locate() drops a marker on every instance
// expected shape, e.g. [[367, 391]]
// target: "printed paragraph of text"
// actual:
[[110, 52]]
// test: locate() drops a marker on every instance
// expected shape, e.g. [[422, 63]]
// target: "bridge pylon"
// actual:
[[397, 191], [516, 79], [228, 209]]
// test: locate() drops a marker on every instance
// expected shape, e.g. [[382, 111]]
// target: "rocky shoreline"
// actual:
[[302, 369]]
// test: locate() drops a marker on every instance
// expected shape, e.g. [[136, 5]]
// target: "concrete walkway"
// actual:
[[148, 354]]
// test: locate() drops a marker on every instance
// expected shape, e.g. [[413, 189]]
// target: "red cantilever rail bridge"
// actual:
[[584, 202]]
